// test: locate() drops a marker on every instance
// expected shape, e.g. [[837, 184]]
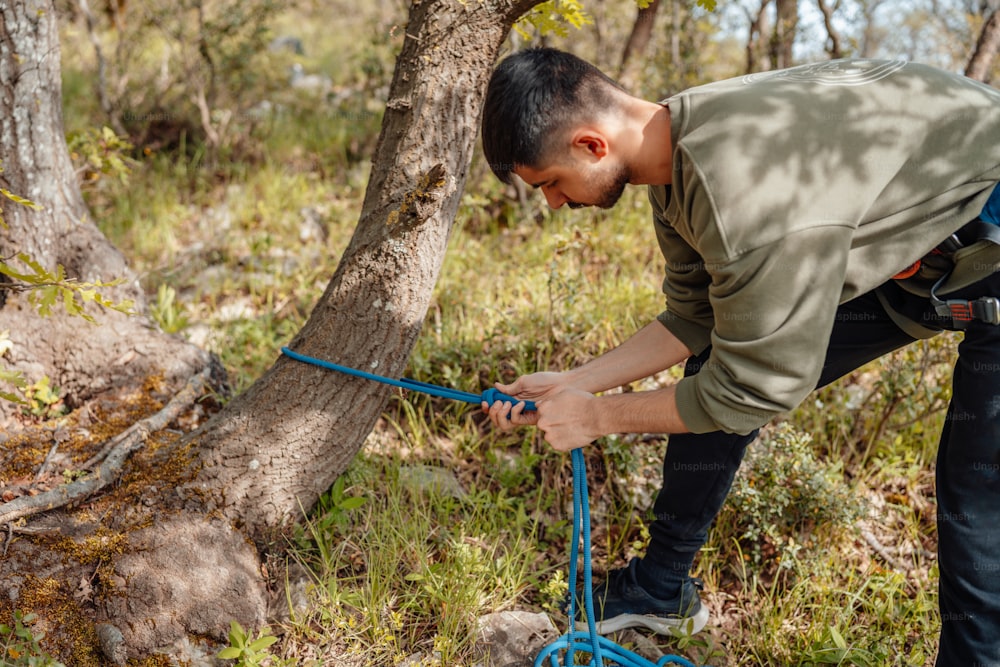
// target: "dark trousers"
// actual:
[[698, 471]]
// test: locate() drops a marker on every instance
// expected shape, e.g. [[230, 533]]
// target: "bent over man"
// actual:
[[811, 220]]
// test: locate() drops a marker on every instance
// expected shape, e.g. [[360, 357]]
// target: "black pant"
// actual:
[[698, 471]]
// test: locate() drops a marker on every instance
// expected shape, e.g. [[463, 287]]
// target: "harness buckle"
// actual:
[[961, 311]]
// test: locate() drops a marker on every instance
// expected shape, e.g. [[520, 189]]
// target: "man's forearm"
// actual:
[[639, 412], [650, 350]]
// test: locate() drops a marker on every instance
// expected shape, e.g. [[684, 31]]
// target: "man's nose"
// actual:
[[555, 199]]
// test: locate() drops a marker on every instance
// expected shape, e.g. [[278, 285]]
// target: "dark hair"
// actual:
[[532, 98]]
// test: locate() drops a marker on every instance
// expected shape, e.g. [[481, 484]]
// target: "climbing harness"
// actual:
[[961, 312], [965, 257], [585, 642]]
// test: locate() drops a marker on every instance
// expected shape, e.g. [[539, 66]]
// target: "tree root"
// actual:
[[112, 457]]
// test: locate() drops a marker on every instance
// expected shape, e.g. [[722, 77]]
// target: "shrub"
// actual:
[[780, 496]]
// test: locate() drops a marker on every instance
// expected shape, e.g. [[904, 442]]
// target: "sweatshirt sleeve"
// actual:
[[774, 310], [688, 313], [765, 302]]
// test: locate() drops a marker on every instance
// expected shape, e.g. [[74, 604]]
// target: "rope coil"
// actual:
[[589, 642]]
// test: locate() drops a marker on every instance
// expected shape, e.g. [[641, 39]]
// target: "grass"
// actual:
[[234, 254], [396, 587]]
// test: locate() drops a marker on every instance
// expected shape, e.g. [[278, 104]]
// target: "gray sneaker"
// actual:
[[620, 602]]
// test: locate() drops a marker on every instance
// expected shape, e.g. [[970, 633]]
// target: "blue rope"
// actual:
[[491, 395], [589, 642], [600, 648]]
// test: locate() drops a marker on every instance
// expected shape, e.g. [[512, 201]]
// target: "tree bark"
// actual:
[[783, 39], [758, 55], [637, 42], [834, 49], [980, 64], [190, 560], [81, 359]]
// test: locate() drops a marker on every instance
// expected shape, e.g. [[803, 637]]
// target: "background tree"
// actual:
[[81, 362], [984, 54], [638, 40]]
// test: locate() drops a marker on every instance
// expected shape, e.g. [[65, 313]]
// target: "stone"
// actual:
[[512, 638]]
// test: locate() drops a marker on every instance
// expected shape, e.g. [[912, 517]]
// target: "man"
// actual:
[[812, 220]]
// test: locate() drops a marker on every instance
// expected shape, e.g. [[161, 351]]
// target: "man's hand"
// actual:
[[570, 414], [534, 387], [563, 413]]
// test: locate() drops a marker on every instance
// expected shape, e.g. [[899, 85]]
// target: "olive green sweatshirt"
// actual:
[[794, 191]]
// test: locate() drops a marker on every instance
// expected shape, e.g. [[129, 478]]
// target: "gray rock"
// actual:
[[431, 479], [512, 638]]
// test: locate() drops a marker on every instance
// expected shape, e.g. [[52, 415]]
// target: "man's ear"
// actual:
[[592, 142]]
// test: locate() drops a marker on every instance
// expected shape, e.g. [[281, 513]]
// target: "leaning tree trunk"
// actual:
[[181, 554], [289, 436], [984, 55], [80, 359]]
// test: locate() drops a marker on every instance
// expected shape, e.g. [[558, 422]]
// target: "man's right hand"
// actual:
[[534, 387]]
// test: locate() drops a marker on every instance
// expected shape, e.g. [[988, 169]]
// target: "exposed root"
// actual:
[[110, 459]]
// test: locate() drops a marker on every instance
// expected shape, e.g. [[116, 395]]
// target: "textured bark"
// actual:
[[79, 358], [980, 64], [290, 435]]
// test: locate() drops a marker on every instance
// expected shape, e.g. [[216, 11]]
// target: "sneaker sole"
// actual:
[[674, 627]]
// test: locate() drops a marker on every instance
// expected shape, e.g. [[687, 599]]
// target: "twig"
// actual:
[[882, 551], [10, 537], [131, 440], [48, 459]]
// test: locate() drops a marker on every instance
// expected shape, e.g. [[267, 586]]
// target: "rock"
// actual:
[[431, 479], [512, 638], [112, 643]]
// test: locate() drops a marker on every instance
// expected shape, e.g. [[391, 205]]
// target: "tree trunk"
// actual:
[[980, 64], [758, 54], [187, 562], [834, 49], [783, 39], [80, 359], [637, 42]]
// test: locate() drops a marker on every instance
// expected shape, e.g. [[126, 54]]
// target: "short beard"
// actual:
[[613, 189]]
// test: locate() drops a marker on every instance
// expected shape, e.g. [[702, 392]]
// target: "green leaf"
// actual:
[[351, 503], [262, 643], [838, 639], [20, 200], [237, 635], [45, 298], [229, 653]]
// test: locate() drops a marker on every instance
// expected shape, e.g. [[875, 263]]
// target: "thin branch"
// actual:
[[127, 442], [47, 461], [102, 67], [835, 49]]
